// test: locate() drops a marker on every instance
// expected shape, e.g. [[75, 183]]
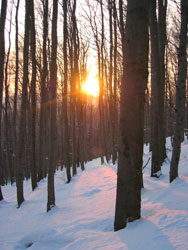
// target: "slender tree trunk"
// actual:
[[82, 104], [23, 114], [43, 102], [65, 96], [156, 86], [122, 26], [115, 115], [162, 8], [7, 120], [81, 131], [2, 58], [101, 94], [16, 77], [74, 146], [1, 194], [53, 104], [33, 100], [135, 72], [111, 101], [73, 88], [180, 92]]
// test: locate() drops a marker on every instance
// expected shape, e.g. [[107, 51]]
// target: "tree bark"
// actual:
[[156, 92], [16, 77], [65, 96], [33, 100], [1, 194], [111, 101], [135, 72], [115, 110], [2, 58], [7, 119], [101, 88], [180, 93], [43, 102], [162, 9], [53, 104], [23, 115]]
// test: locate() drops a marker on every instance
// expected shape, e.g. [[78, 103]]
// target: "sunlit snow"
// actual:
[[84, 213]]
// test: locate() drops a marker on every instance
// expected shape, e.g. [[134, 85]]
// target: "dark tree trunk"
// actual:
[[64, 103], [23, 114], [156, 102], [162, 8], [2, 58], [16, 77], [180, 93], [135, 72], [115, 110], [112, 93], [1, 194], [53, 104], [33, 100], [43, 102], [7, 119], [73, 63], [101, 94]]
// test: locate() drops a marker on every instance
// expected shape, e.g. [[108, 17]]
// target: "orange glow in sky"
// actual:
[[91, 85]]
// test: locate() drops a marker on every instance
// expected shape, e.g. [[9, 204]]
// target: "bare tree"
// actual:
[[135, 72], [180, 92], [111, 71], [158, 43], [43, 124], [156, 91], [65, 95], [16, 75], [115, 73], [74, 84], [2, 58], [33, 100], [7, 109], [53, 104], [162, 10], [23, 114]]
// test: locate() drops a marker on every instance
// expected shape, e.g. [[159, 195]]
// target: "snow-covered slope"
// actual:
[[84, 212]]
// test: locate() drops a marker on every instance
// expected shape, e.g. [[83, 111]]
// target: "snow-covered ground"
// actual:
[[84, 214]]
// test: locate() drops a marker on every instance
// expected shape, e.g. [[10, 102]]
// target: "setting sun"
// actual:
[[91, 86]]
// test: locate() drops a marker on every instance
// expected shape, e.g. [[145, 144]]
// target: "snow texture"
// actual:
[[84, 213]]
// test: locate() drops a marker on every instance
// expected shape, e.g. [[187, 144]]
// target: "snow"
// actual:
[[84, 213]]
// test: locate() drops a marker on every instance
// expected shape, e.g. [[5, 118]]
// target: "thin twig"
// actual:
[[146, 163]]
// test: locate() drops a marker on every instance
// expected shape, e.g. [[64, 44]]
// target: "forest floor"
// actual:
[[84, 213]]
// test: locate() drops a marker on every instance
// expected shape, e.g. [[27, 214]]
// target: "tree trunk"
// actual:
[[64, 102], [53, 104], [112, 101], [162, 8], [115, 115], [101, 94], [180, 93], [43, 102], [73, 62], [23, 115], [135, 72], [2, 58], [33, 100], [1, 194], [156, 85], [7, 119], [16, 77]]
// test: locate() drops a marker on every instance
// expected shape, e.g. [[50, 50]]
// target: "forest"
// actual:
[[81, 80]]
